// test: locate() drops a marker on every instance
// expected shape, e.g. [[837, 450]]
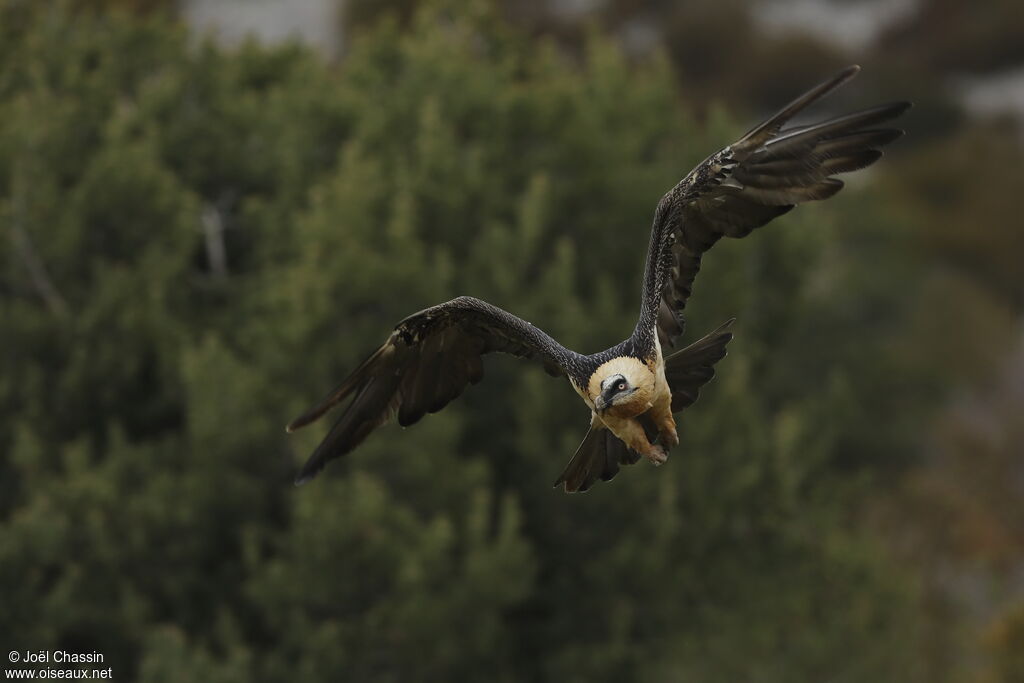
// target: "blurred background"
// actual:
[[211, 210]]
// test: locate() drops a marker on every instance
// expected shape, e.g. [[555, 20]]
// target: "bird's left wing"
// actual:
[[428, 361], [762, 175]]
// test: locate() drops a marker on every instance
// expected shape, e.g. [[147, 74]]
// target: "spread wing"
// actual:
[[744, 186], [428, 361]]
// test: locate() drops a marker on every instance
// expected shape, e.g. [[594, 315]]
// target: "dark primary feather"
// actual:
[[428, 361], [744, 186]]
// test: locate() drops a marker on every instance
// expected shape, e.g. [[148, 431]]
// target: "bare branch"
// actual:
[[25, 249], [213, 232]]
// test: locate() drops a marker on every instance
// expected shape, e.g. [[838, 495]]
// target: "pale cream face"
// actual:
[[639, 377]]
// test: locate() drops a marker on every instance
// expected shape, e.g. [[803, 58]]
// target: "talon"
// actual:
[[657, 455]]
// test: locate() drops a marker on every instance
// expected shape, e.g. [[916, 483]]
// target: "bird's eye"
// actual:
[[621, 386]]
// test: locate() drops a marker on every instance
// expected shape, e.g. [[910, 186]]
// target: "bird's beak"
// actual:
[[600, 404]]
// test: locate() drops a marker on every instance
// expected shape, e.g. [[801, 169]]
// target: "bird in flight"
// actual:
[[634, 388]]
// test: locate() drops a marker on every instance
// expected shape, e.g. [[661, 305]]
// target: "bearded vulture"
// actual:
[[632, 389]]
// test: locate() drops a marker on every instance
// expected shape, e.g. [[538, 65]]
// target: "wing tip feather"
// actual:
[[311, 468], [306, 474], [762, 132], [845, 75], [298, 423]]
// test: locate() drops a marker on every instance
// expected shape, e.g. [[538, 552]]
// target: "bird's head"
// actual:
[[622, 387], [615, 389]]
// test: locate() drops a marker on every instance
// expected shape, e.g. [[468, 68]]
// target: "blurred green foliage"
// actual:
[[202, 240], [951, 35]]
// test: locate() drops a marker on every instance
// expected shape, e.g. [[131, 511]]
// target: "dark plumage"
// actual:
[[432, 356]]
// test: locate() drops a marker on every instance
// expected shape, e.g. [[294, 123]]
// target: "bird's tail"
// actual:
[[687, 370], [598, 457]]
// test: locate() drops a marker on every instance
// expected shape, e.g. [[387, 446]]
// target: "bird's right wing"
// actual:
[[429, 360], [761, 176]]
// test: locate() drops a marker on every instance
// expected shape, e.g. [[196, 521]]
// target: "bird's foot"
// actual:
[[657, 454], [668, 438]]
